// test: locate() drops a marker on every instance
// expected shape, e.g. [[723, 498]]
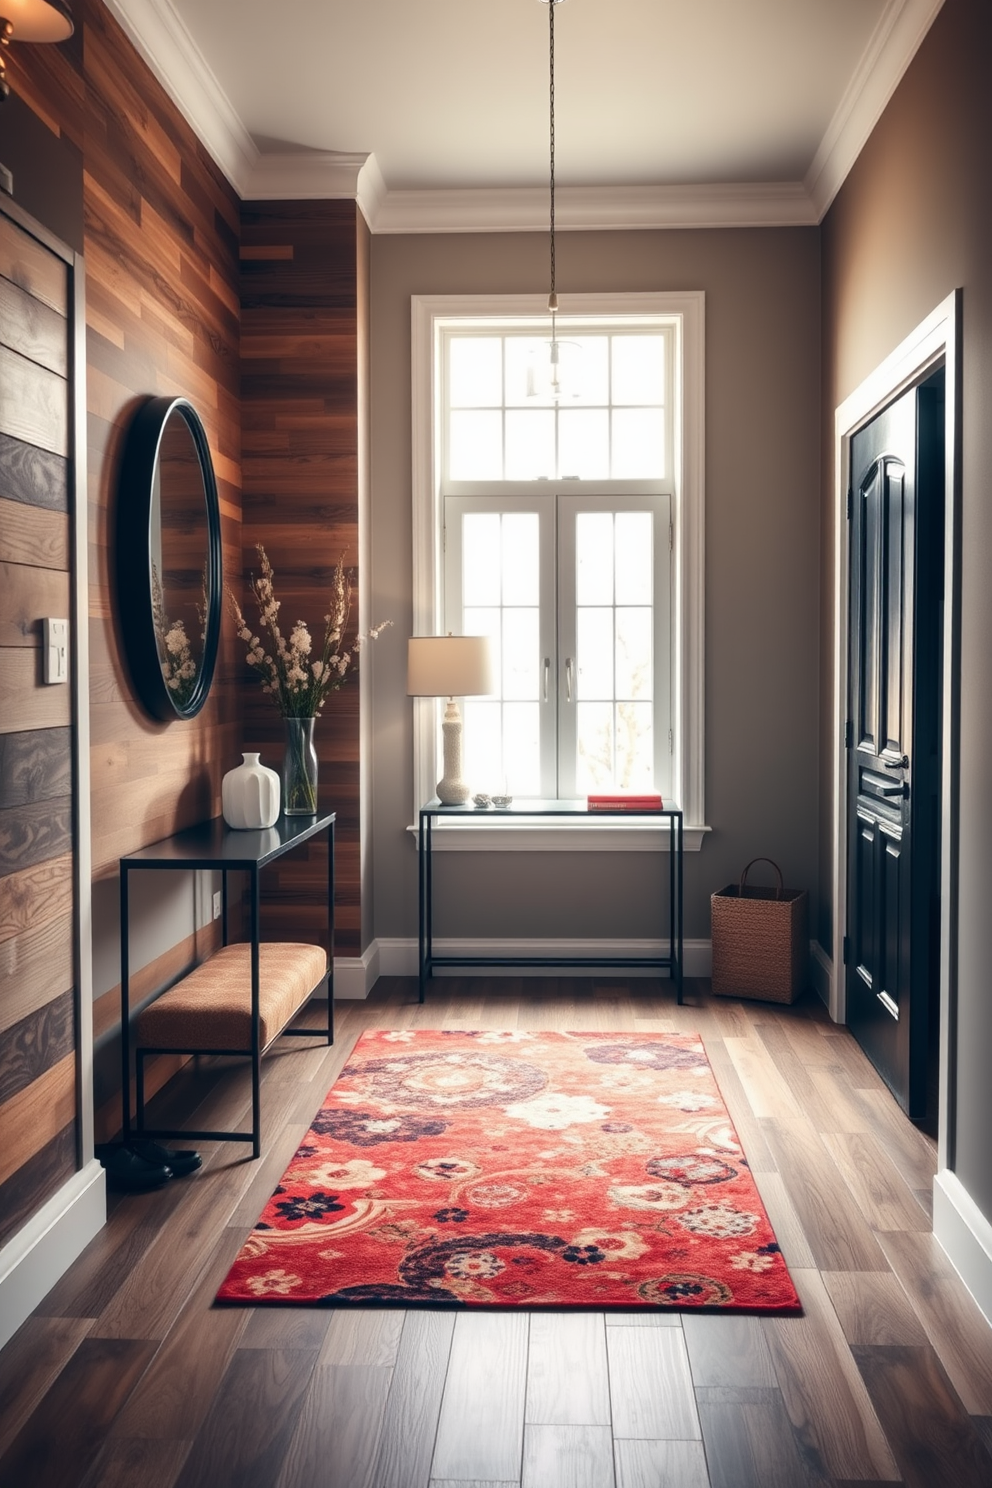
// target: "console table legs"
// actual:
[[427, 961]]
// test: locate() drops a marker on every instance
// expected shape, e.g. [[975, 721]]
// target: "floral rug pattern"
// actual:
[[514, 1169]]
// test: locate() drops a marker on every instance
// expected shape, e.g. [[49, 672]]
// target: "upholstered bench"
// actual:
[[210, 1011]]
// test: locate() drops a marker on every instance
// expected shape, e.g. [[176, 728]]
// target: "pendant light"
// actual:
[[31, 20], [553, 372]]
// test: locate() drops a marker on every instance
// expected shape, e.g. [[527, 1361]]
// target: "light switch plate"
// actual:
[[55, 647]]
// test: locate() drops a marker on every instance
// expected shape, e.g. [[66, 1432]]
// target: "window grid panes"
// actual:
[[609, 422], [614, 630], [500, 584], [573, 589]]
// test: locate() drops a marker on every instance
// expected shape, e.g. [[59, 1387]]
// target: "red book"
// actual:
[[625, 802]]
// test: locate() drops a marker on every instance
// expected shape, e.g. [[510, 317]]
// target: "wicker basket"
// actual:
[[760, 940]]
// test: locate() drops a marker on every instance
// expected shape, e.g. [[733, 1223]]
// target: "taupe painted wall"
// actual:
[[912, 223], [762, 564]]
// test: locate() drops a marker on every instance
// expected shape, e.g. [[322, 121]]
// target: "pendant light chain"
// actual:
[[553, 298]]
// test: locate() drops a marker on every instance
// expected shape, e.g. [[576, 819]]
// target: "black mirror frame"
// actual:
[[134, 582]]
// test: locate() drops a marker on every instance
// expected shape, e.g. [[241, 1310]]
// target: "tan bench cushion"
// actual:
[[211, 1007]]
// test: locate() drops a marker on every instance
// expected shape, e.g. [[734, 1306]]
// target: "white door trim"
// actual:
[[935, 340]]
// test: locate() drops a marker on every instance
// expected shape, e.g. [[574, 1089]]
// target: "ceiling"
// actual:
[[451, 96]]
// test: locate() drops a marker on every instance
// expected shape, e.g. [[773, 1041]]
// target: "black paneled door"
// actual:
[[896, 525]]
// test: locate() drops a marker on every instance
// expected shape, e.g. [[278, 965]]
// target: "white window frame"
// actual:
[[429, 314]]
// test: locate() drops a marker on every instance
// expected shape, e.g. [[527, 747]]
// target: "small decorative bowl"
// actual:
[[502, 800], [482, 800]]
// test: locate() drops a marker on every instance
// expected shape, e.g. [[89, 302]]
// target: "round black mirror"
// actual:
[[169, 558]]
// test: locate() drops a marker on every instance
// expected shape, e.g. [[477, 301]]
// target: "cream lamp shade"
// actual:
[[449, 666], [452, 667]]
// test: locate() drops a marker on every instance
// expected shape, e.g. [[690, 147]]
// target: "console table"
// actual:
[[570, 810], [214, 846]]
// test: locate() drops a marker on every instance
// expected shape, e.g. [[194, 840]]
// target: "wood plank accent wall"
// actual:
[[161, 229], [301, 442], [38, 1055]]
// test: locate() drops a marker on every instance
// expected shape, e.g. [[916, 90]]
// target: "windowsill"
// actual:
[[537, 835]]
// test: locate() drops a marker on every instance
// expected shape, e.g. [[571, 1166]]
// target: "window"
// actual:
[[565, 528]]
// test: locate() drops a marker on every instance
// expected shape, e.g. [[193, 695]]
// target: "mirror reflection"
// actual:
[[179, 560], [169, 558]]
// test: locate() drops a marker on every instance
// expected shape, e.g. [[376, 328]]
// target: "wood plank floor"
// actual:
[[126, 1375]]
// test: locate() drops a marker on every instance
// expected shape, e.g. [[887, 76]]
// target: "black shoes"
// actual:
[[143, 1164], [129, 1173], [181, 1162]]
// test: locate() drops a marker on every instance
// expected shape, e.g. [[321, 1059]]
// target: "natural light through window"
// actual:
[[505, 425], [501, 599], [560, 530], [614, 646], [573, 590]]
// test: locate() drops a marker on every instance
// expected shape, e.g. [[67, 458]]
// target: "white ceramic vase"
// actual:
[[250, 795]]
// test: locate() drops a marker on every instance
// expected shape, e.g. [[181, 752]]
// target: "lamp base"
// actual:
[[451, 788]]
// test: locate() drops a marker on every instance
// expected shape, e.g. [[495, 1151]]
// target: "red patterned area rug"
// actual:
[[512, 1169]]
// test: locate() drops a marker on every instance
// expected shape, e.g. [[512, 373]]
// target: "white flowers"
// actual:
[[649, 1195], [357, 1173], [280, 1281], [719, 1221], [300, 639], [474, 1263], [749, 1260], [619, 1245], [687, 1100], [552, 1112], [297, 684]]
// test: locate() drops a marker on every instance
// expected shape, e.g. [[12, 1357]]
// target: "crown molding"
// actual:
[[595, 208], [161, 37], [372, 191], [896, 39], [163, 40], [304, 174], [318, 175]]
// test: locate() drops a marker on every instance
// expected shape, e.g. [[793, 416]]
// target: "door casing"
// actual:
[[934, 342]]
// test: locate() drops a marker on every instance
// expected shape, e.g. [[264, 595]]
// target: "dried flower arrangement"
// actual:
[[298, 685]]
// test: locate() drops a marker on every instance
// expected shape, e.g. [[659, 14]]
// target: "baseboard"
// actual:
[[821, 971], [964, 1233], [355, 976], [34, 1259], [398, 956]]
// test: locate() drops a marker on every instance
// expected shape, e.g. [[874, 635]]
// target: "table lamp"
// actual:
[[450, 666]]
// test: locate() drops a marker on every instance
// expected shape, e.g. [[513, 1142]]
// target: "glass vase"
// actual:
[[299, 769]]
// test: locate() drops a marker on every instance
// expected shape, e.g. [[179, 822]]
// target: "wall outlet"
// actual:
[[217, 905]]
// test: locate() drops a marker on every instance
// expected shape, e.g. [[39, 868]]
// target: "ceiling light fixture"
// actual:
[[555, 376], [30, 20]]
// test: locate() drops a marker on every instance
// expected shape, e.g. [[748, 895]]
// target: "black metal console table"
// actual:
[[214, 846], [570, 810]]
